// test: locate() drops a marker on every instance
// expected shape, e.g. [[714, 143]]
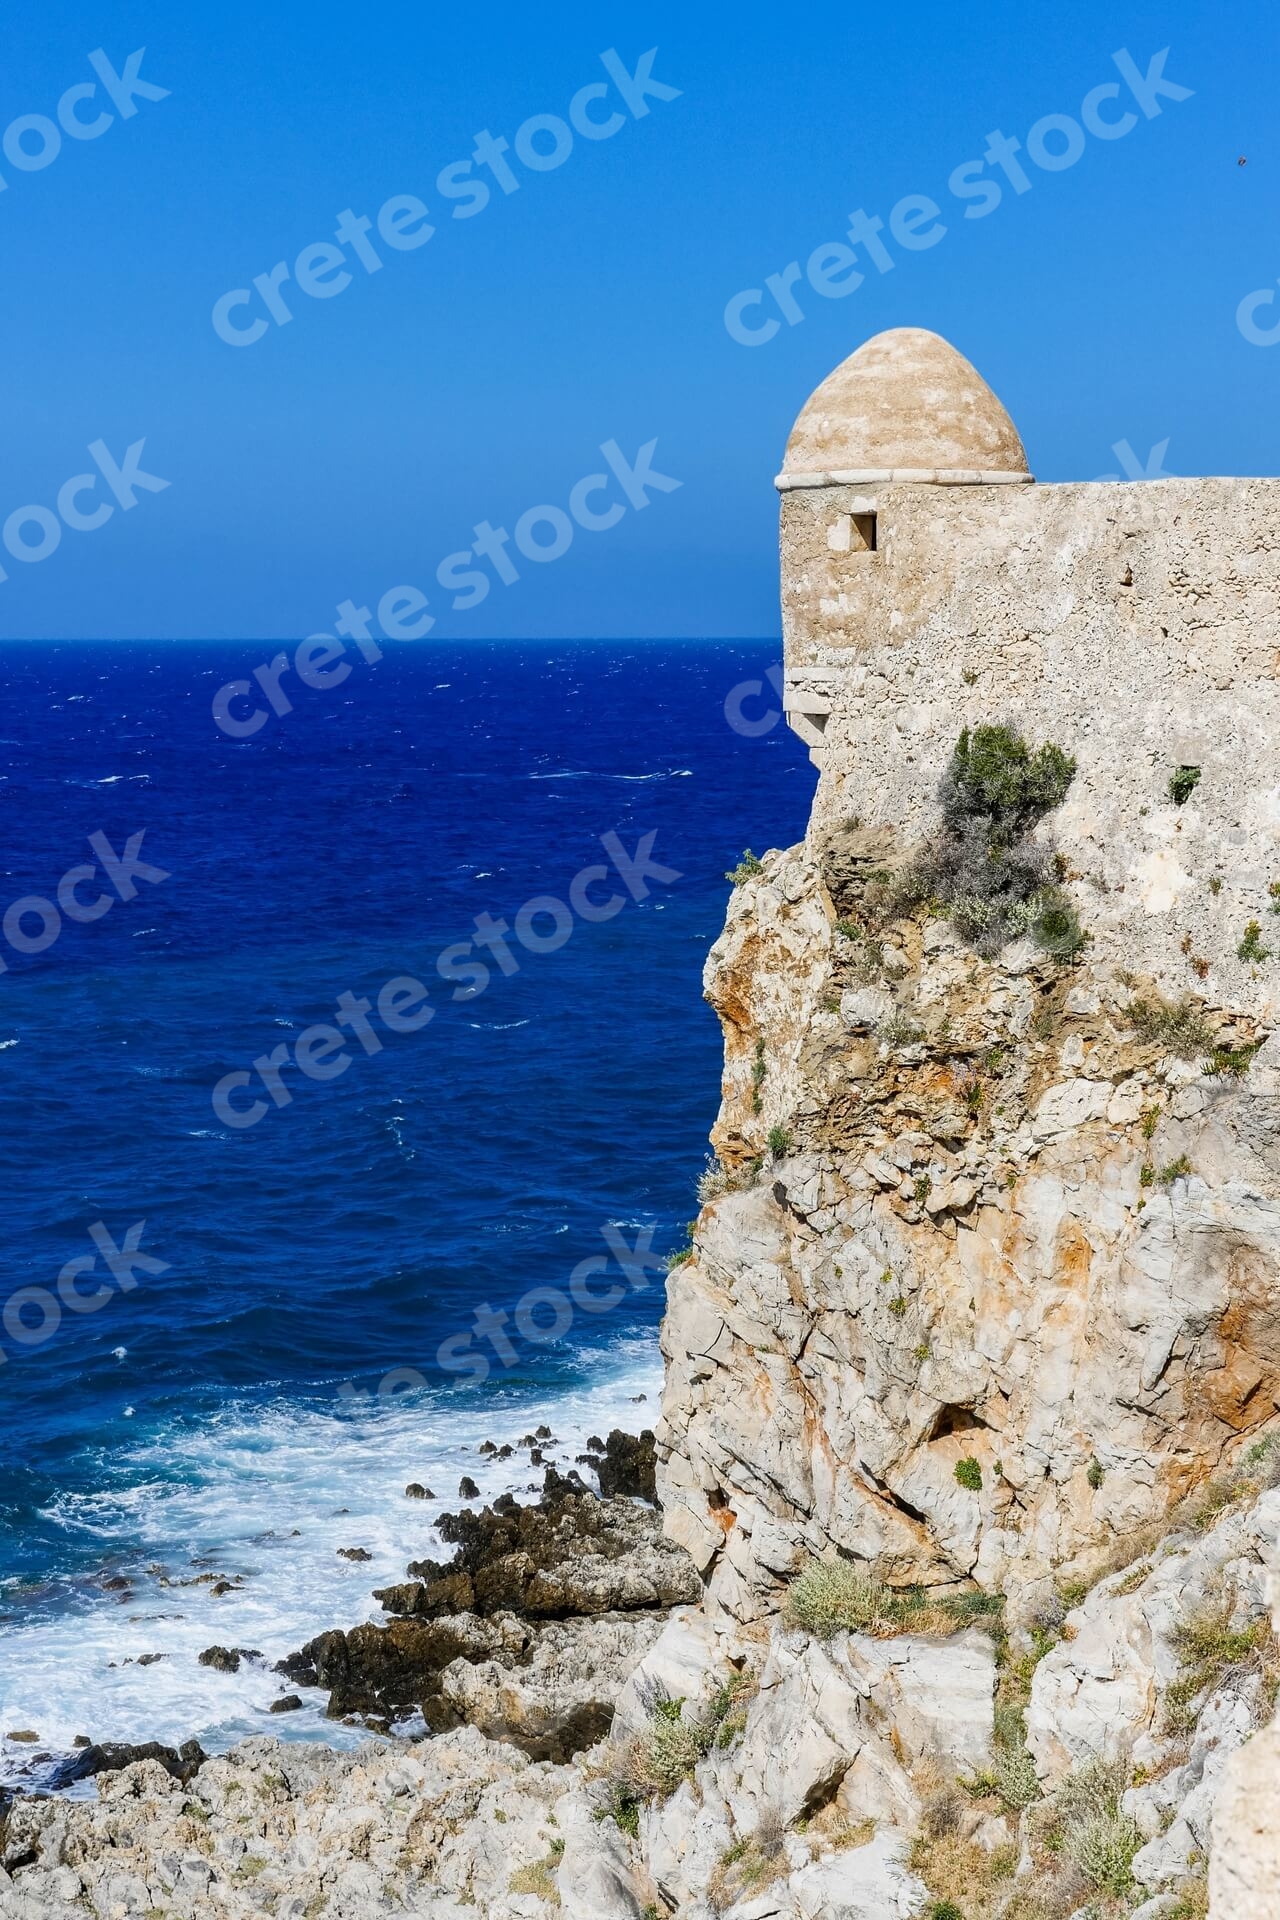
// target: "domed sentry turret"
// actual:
[[905, 408]]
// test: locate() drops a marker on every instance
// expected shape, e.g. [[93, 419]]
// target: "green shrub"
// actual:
[[1251, 947], [994, 777], [1229, 1062], [677, 1740], [780, 1142], [1097, 1473], [983, 871], [1210, 1651], [1015, 1778], [945, 1910], [1053, 923], [622, 1807], [1182, 784], [1176, 1170], [746, 869], [969, 1474], [1103, 1846]]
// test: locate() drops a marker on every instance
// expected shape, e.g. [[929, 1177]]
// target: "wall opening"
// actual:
[[862, 533]]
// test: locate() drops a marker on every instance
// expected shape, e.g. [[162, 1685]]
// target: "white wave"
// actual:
[[265, 1496], [589, 773], [5, 1044]]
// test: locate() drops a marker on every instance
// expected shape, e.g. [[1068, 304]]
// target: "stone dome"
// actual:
[[905, 406]]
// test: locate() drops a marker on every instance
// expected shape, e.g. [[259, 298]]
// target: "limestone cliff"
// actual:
[[1024, 1216]]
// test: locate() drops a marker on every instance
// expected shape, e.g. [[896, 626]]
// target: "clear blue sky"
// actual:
[[478, 375]]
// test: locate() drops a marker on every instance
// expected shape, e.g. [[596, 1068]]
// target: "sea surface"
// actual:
[[234, 1420]]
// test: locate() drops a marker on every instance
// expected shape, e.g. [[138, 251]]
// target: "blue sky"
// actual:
[[478, 375]]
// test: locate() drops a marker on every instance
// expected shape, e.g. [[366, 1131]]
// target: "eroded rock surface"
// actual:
[[1013, 1226]]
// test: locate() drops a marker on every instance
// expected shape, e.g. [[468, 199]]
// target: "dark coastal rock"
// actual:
[[572, 1584], [181, 1763], [354, 1553], [227, 1659], [468, 1490], [287, 1703], [571, 1554], [416, 1491], [629, 1467], [378, 1673]]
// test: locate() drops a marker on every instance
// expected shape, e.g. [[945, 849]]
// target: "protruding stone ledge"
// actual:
[[902, 477]]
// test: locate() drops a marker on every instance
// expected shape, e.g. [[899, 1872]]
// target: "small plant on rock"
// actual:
[[1176, 1170], [968, 1473], [1229, 1062], [1182, 784], [835, 1596], [780, 1142], [1213, 1651], [1251, 947], [747, 868], [1180, 1026], [679, 1738], [758, 1071]]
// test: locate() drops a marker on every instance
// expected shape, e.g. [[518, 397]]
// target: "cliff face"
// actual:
[[987, 1274], [1019, 1222]]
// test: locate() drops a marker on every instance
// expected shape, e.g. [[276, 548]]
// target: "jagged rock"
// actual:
[[867, 1883], [569, 1554], [1100, 1693], [114, 1756], [819, 1707], [560, 1698], [678, 1666], [628, 1467], [227, 1659], [1244, 1861]]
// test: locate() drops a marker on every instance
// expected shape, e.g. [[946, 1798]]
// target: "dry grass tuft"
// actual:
[[833, 1596]]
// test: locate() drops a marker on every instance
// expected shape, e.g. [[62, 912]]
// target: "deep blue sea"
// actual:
[[264, 1400]]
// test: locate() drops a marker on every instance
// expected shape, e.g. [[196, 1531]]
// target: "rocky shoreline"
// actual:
[[871, 1756]]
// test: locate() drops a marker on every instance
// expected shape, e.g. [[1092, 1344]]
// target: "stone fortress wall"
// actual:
[[1137, 625]]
